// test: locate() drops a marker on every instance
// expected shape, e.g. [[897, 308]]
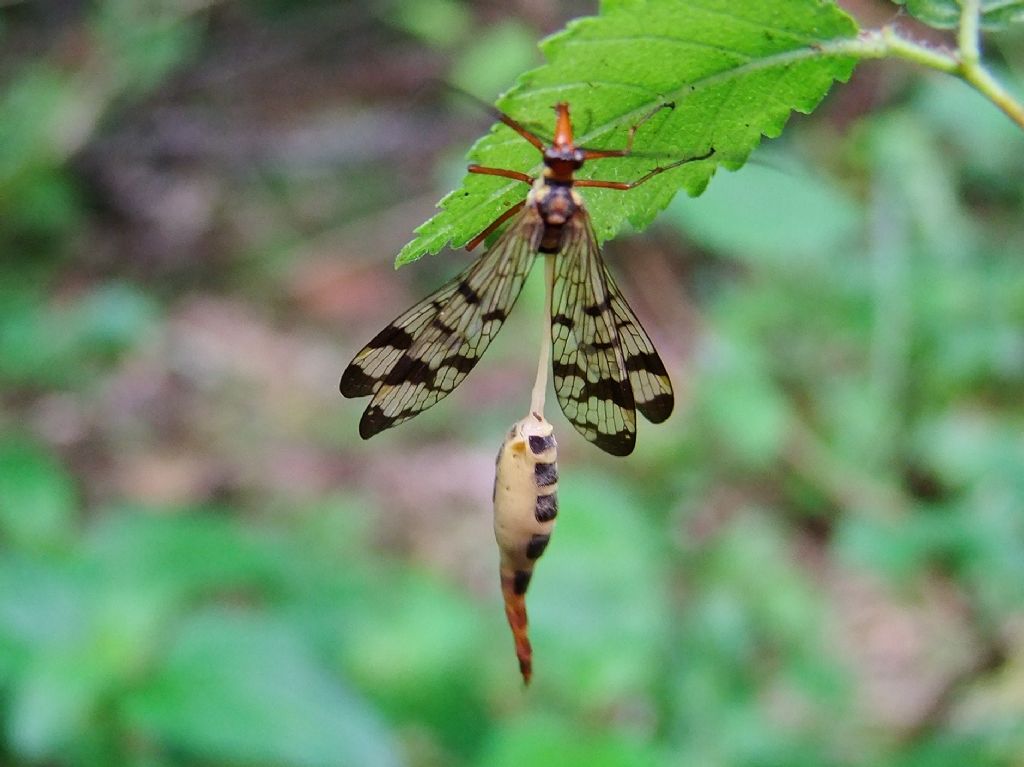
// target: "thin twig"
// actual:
[[964, 63], [971, 68], [968, 37]]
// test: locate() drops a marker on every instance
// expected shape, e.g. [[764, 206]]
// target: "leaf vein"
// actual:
[[665, 38], [784, 59]]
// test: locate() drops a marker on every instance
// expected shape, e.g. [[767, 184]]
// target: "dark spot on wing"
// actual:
[[441, 325], [618, 443], [596, 310], [355, 383], [646, 361], [391, 336], [657, 408], [468, 293]]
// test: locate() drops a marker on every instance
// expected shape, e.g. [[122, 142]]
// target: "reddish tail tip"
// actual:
[[515, 611]]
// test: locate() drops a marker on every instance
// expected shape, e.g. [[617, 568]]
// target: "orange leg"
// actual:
[[495, 224], [597, 154], [623, 185], [504, 172], [521, 130]]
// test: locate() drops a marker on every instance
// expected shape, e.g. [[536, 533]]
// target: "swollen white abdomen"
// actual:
[[525, 507]]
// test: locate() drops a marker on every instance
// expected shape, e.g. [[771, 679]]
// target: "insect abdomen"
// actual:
[[525, 507]]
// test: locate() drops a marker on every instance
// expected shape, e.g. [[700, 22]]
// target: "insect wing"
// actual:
[[605, 366], [420, 357], [589, 369], [652, 389]]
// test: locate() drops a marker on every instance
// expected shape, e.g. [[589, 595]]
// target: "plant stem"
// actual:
[[887, 41], [971, 69], [985, 83], [965, 63], [968, 37]]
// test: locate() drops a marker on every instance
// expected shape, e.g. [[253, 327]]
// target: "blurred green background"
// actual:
[[818, 560]]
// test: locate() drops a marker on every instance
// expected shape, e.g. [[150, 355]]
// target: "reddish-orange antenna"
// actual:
[[563, 127]]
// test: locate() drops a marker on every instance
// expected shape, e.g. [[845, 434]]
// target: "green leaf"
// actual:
[[742, 404], [246, 690], [37, 497], [495, 56], [582, 613], [114, 317], [734, 69], [41, 605], [945, 14], [182, 556], [48, 343], [787, 216], [415, 637], [440, 23], [51, 706], [545, 738]]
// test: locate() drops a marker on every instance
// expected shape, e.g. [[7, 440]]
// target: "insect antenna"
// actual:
[[538, 138]]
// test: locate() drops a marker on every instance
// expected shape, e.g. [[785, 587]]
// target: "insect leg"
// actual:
[[597, 154], [530, 136], [503, 172], [518, 128], [623, 185], [495, 224]]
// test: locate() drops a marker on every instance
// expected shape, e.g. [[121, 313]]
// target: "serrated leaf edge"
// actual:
[[835, 47]]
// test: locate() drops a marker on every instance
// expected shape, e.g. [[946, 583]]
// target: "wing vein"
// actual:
[[427, 351]]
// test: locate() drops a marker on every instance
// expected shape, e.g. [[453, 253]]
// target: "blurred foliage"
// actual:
[[818, 560]]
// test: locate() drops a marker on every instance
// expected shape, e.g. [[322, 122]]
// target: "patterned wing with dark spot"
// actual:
[[652, 389], [605, 366], [420, 357]]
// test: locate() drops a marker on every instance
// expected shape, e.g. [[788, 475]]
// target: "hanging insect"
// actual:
[[526, 497], [605, 366], [525, 507]]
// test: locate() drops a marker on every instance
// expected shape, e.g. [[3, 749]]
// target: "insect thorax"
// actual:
[[556, 203]]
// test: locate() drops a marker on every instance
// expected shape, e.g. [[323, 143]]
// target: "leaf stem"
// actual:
[[971, 68], [964, 63], [968, 37], [985, 83], [887, 41]]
